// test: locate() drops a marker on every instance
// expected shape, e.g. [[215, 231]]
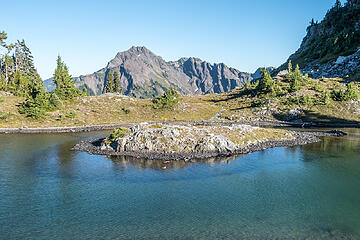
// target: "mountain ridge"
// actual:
[[144, 74]]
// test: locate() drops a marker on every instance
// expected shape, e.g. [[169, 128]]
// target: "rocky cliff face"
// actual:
[[331, 47], [144, 74]]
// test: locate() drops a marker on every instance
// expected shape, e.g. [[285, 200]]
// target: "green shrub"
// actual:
[[36, 104], [70, 115], [326, 97], [318, 88], [351, 93], [55, 101], [306, 99], [169, 99], [117, 133], [295, 78], [126, 110], [5, 115]]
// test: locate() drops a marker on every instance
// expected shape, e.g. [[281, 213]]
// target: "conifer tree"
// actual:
[[266, 83], [109, 83], [295, 78], [65, 87], [117, 87]]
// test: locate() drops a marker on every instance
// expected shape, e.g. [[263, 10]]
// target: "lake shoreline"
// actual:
[[94, 128], [95, 147]]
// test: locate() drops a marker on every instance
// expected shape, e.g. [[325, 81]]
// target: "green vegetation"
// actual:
[[336, 35], [17, 71], [108, 109], [18, 76], [126, 110], [65, 88], [112, 82], [295, 78], [351, 93], [117, 133], [169, 99], [266, 84]]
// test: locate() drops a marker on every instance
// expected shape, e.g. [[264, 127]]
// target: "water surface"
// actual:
[[48, 191]]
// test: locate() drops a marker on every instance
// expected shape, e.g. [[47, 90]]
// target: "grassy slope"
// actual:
[[234, 105], [107, 109], [240, 105]]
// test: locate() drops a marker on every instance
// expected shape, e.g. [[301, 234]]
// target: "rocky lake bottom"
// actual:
[[48, 191]]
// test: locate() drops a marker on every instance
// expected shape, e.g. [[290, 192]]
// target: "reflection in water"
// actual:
[[48, 191], [126, 162]]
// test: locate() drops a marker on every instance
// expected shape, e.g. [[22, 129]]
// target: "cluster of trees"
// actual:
[[19, 76], [39, 101], [337, 35], [112, 82], [17, 71], [266, 85]]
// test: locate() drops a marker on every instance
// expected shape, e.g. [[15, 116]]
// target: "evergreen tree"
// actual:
[[117, 87], [169, 99], [109, 83], [65, 87], [295, 78], [37, 102], [266, 83]]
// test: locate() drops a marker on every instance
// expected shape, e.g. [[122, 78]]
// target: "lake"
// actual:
[[48, 191]]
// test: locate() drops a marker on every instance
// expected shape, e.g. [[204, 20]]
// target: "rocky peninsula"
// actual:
[[185, 142]]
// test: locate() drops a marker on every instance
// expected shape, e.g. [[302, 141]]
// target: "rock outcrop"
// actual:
[[175, 142], [146, 75], [342, 67]]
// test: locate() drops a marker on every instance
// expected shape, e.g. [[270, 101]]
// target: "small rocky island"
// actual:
[[185, 142]]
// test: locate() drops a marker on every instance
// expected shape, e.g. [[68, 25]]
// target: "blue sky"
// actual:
[[87, 34]]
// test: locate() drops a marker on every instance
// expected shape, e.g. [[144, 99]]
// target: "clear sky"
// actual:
[[87, 34]]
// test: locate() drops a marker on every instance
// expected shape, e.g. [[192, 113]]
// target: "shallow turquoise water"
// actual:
[[48, 191]]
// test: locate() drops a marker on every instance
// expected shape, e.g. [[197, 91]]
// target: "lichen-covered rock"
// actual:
[[191, 139]]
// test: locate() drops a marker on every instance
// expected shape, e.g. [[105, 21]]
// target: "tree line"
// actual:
[[19, 76]]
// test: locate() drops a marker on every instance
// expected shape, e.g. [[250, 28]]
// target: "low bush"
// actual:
[[117, 133], [169, 99]]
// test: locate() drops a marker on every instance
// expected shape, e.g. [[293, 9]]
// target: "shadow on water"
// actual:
[[311, 116]]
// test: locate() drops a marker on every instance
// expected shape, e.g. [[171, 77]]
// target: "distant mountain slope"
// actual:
[[144, 74], [337, 35]]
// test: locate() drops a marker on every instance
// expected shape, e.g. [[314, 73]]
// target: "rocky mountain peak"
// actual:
[[132, 53], [144, 74]]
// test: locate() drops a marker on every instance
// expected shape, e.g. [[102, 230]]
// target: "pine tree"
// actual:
[[295, 78], [109, 83], [117, 87], [65, 87], [37, 102], [266, 83]]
